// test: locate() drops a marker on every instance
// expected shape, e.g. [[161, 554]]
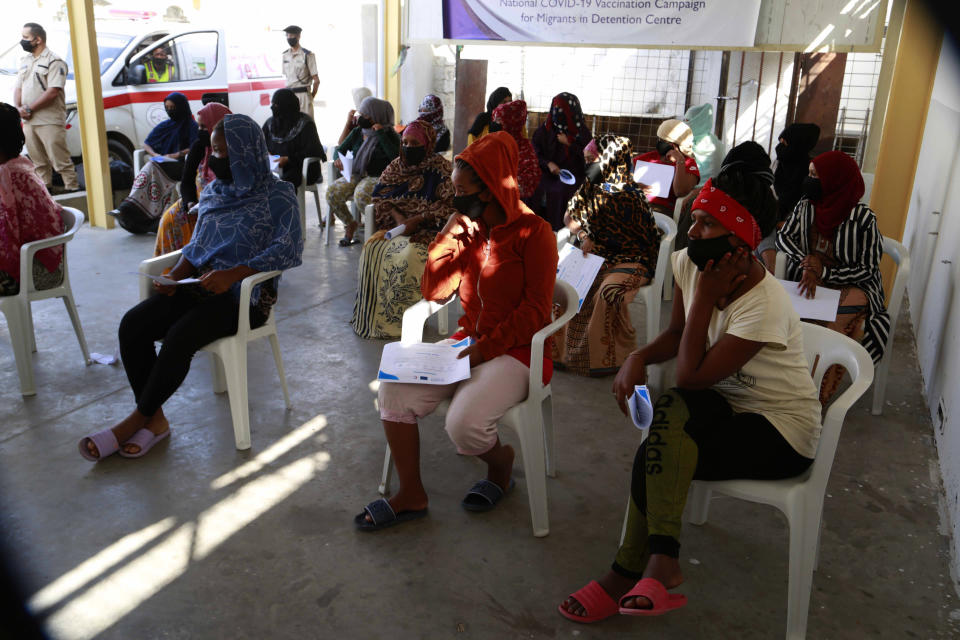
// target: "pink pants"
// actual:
[[477, 403]]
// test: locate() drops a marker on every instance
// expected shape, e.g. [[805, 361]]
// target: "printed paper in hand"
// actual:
[[823, 306], [658, 176], [578, 270], [396, 231], [641, 407], [347, 162], [422, 363], [166, 280], [274, 164], [162, 159]]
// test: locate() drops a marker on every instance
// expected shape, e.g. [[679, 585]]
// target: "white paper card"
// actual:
[[641, 407], [823, 306], [347, 162], [396, 231], [658, 176], [578, 270], [274, 164], [422, 363], [162, 159], [168, 281]]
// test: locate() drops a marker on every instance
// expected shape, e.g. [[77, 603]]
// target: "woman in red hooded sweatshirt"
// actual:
[[501, 259]]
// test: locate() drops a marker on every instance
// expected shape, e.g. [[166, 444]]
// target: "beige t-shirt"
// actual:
[[776, 382], [35, 76]]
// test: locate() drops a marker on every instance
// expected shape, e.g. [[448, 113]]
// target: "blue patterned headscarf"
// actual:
[[254, 219], [176, 133]]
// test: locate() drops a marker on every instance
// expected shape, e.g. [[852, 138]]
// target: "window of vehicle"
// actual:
[[109, 46], [195, 55]]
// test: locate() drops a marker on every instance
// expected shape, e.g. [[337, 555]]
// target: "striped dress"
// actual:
[[858, 247]]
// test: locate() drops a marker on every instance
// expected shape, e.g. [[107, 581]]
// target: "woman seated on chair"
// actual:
[[249, 222], [483, 123], [501, 260], [155, 187], [27, 212], [292, 135], [559, 143], [674, 147], [612, 220], [374, 144], [177, 223], [831, 240], [415, 191], [512, 117], [744, 405]]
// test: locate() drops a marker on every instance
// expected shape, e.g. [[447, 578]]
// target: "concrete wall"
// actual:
[[931, 233]]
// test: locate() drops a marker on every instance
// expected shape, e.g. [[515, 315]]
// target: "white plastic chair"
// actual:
[[532, 419], [801, 498], [652, 294], [16, 308], [677, 210], [230, 364], [302, 192], [901, 257], [139, 158]]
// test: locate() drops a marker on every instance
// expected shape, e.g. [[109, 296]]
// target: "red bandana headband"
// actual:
[[730, 213]]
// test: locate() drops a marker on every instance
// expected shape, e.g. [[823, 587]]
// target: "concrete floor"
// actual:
[[199, 540]]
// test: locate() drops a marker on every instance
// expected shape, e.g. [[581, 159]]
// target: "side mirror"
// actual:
[[135, 74]]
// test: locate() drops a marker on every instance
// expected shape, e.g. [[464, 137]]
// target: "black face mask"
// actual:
[[293, 41], [594, 173], [413, 155], [664, 147], [220, 168], [702, 250], [470, 205], [203, 136], [812, 189], [27, 46], [364, 122], [171, 113]]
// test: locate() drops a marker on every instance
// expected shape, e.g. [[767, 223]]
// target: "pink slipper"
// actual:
[[597, 603], [145, 439], [654, 591], [105, 442]]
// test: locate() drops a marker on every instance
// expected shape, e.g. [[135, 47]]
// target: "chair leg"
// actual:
[[880, 385], [804, 532], [16, 321], [275, 345], [331, 222], [546, 408], [29, 327], [219, 377], [77, 329], [530, 431], [443, 325], [302, 202], [698, 503], [384, 488], [235, 367]]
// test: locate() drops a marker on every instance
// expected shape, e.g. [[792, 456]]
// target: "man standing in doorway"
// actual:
[[38, 96], [300, 70]]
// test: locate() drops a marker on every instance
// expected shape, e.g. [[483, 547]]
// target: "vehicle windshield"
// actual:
[[109, 46]]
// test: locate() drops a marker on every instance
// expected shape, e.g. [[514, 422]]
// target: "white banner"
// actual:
[[700, 23]]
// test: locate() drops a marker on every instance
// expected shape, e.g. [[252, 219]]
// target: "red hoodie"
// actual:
[[505, 282]]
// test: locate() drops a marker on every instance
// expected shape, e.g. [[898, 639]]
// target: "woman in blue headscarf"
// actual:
[[155, 187], [249, 222]]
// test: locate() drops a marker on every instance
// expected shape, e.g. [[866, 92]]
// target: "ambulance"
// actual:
[[206, 68]]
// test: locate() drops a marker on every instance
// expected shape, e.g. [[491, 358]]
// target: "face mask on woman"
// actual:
[[364, 122], [413, 155], [702, 250], [220, 167], [812, 189], [470, 205], [204, 137]]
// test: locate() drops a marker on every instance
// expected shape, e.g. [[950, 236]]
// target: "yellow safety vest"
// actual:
[[153, 76]]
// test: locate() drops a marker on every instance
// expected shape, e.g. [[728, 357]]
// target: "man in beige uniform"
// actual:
[[300, 70], [39, 98]]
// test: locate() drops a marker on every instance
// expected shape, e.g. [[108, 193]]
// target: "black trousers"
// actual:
[[186, 322]]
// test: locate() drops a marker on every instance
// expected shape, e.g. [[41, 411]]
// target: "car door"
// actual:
[[200, 73]]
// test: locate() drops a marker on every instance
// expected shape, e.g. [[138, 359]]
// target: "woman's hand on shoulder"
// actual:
[[631, 373], [459, 225]]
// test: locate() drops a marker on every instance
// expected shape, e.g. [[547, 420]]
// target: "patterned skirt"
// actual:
[[176, 229], [389, 284], [601, 336]]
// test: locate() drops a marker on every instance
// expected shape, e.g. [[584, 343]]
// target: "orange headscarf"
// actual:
[[495, 158]]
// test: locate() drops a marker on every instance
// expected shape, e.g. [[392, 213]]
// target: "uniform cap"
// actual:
[[293, 29]]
